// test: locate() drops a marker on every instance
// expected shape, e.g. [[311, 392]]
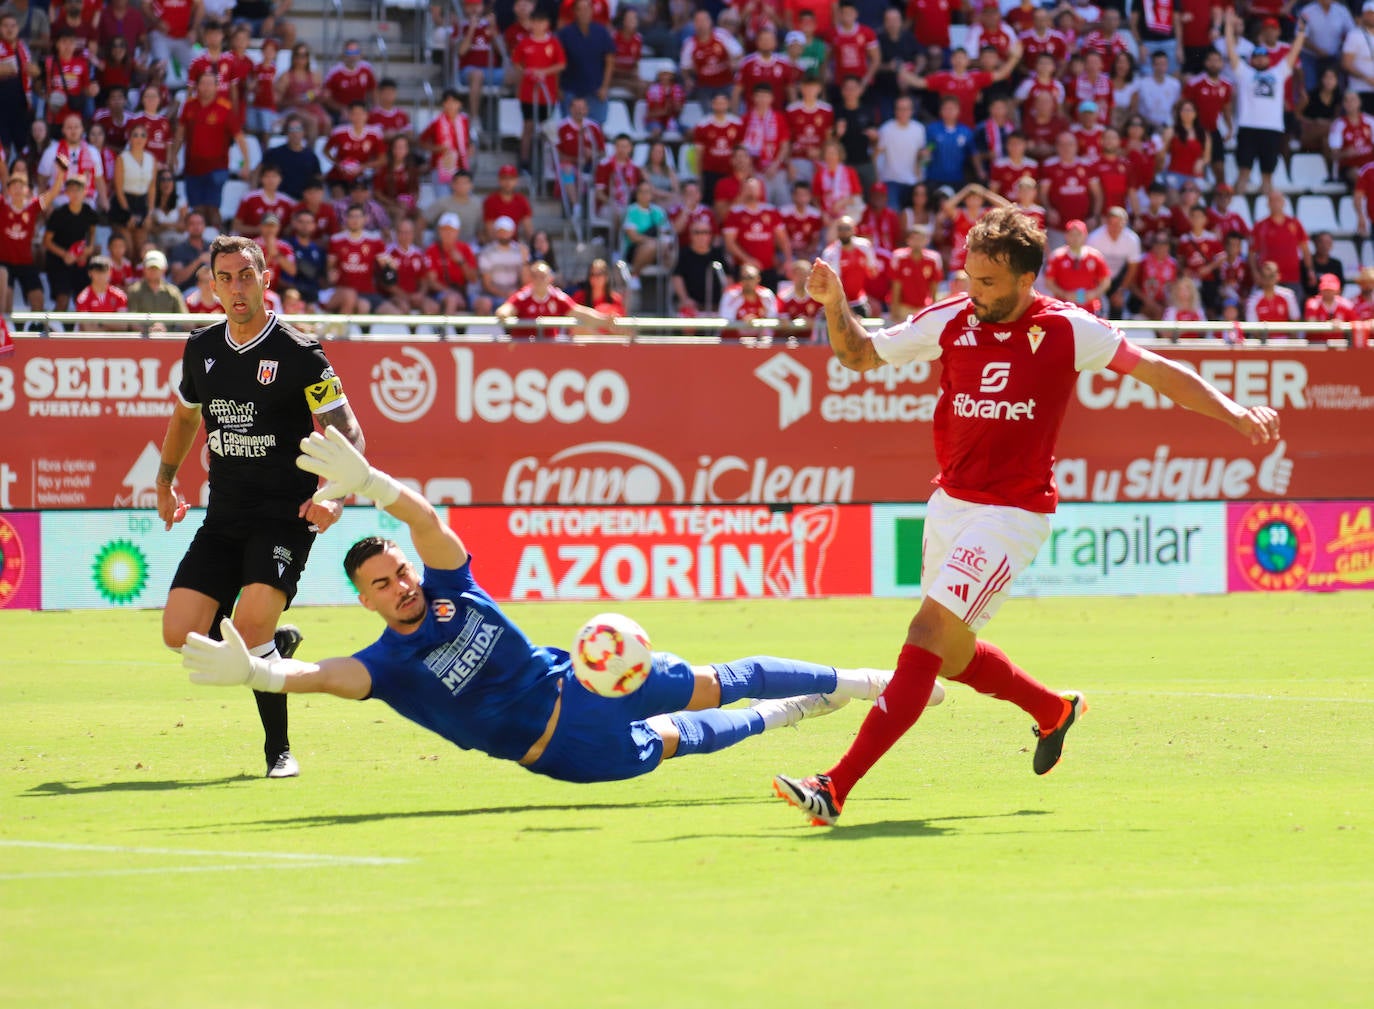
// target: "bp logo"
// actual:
[[1275, 546], [120, 572], [11, 562]]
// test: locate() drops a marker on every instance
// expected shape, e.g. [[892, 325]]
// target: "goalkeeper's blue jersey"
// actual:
[[468, 672]]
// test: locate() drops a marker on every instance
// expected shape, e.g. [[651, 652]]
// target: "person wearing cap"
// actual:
[[1122, 251], [20, 215], [541, 59], [207, 127], [1328, 25], [451, 270], [68, 242], [355, 147], [503, 264], [507, 201], [353, 256], [256, 204], [1088, 131], [350, 80], [1327, 305], [664, 100], [1261, 135], [1094, 84], [100, 296], [1076, 272], [153, 292]]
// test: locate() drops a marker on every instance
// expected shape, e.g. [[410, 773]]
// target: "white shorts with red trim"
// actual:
[[973, 552]]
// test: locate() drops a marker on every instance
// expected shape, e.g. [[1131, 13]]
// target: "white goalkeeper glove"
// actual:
[[345, 471], [228, 663]]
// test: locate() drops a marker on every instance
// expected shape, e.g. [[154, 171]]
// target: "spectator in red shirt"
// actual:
[[1270, 302], [916, 274], [1328, 306], [1076, 272], [541, 59], [350, 80], [1156, 275], [754, 233], [355, 147], [616, 179], [796, 309], [207, 126], [480, 63], [99, 296], [405, 279], [386, 115], [746, 301], [853, 260], [20, 214], [352, 260], [452, 269], [541, 298], [507, 202], [1283, 240]]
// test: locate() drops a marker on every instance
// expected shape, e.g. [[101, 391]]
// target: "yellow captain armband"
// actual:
[[325, 395]]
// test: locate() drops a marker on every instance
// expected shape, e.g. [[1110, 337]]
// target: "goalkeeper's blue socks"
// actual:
[[765, 676], [711, 730]]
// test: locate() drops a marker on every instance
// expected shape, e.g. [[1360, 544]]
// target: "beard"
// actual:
[[1000, 310]]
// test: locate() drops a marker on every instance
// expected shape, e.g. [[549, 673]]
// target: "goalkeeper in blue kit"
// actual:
[[452, 661]]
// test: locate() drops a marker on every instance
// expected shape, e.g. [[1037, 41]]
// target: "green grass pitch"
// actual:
[[1208, 840]]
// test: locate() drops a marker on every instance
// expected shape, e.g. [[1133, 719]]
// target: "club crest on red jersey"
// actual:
[[267, 372], [1035, 334]]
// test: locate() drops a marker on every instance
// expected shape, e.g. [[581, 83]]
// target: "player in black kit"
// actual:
[[261, 386]]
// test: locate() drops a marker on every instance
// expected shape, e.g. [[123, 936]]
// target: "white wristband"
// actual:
[[268, 677]]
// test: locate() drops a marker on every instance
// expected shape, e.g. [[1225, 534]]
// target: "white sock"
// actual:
[[267, 651], [856, 683], [774, 715]]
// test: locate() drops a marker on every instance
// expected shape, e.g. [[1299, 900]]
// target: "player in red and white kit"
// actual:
[[1011, 359]]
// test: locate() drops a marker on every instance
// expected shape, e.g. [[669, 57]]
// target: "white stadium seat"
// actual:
[[618, 121], [691, 115], [1348, 253], [1308, 174], [1241, 205], [1317, 214], [230, 196], [1281, 180], [649, 68], [1346, 220], [510, 121], [1262, 207]]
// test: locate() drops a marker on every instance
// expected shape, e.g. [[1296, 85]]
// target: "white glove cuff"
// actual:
[[381, 487], [269, 677]]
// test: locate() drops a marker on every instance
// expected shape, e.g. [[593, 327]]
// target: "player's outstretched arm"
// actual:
[[342, 417], [1186, 388], [228, 663], [345, 472], [849, 340]]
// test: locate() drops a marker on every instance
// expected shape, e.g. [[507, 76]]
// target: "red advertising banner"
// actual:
[[1280, 546], [20, 561], [669, 552], [562, 424]]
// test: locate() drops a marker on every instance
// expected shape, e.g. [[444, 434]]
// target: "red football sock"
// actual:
[[895, 712], [991, 672]]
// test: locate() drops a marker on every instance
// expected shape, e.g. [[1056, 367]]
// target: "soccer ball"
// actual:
[[611, 655]]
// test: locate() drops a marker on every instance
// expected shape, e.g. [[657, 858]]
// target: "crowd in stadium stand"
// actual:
[[870, 134]]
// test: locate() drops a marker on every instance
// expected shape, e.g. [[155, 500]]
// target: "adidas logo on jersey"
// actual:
[[966, 339]]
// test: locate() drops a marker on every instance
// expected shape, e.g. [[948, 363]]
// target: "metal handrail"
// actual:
[[380, 43], [636, 329], [332, 38]]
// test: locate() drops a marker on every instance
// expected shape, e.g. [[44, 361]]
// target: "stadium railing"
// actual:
[[704, 329]]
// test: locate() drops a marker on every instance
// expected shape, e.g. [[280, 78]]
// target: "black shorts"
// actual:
[[224, 557], [138, 207], [63, 277], [537, 107], [1218, 147], [1263, 146], [29, 278]]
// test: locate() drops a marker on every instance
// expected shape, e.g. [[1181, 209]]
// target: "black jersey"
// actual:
[[258, 401]]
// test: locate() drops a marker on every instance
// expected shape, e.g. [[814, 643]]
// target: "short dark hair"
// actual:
[[227, 245], [1008, 236], [361, 552], [388, 82]]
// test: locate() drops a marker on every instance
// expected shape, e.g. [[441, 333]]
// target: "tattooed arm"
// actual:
[[848, 338], [342, 418]]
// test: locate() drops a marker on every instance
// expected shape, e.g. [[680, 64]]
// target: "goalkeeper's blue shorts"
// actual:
[[607, 738]]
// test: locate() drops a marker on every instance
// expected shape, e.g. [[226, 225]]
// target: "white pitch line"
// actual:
[[282, 856], [90, 873], [1234, 697]]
